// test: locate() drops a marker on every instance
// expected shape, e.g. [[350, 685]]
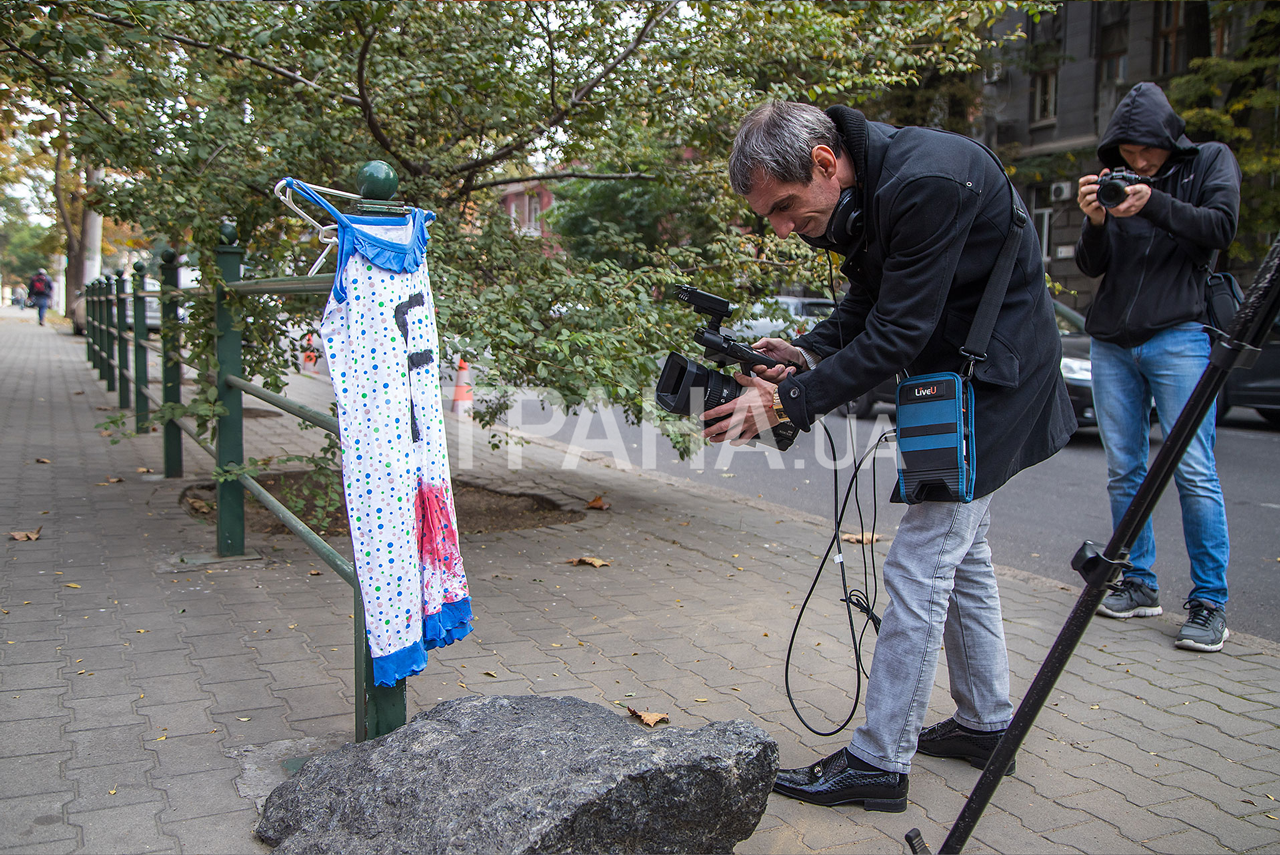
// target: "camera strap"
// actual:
[[937, 459]]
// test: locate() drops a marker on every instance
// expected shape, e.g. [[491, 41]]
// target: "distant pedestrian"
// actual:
[[1154, 251], [19, 297], [40, 290]]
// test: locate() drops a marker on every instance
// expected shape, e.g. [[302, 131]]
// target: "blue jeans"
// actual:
[[1126, 380], [942, 588], [42, 305]]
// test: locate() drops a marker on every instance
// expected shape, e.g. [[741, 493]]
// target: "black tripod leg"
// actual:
[[1249, 330]]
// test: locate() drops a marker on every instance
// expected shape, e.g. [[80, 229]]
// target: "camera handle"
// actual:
[[723, 349], [1249, 330]]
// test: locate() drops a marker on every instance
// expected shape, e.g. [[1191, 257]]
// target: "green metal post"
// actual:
[[109, 341], [230, 493], [104, 331], [87, 290], [101, 320], [141, 403], [122, 345], [170, 368], [379, 709]]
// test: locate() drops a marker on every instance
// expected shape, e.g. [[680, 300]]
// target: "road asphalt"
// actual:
[[150, 701]]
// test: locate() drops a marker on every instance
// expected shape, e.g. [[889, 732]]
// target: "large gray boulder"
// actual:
[[527, 775]]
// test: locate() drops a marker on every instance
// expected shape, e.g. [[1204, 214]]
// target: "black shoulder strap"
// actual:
[[984, 321]]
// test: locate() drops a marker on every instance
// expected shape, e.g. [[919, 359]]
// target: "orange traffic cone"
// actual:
[[462, 388]]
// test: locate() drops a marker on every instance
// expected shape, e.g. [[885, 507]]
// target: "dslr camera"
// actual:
[[1113, 187], [682, 380]]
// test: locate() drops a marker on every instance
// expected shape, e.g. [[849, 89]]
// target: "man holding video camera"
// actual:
[[1155, 221], [920, 216]]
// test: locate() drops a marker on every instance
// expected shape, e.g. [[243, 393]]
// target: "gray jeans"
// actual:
[[942, 589]]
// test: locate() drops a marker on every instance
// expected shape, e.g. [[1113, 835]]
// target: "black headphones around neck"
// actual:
[[844, 229]]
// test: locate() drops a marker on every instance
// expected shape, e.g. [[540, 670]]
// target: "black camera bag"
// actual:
[[1222, 297]]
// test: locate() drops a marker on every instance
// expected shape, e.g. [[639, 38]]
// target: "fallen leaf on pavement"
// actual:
[[104, 409], [200, 506], [145, 469], [598, 504], [649, 718], [71, 585], [43, 460], [587, 559], [490, 673], [110, 792], [246, 718], [111, 479], [26, 535], [104, 433], [865, 537], [313, 572], [700, 700], [1249, 802]]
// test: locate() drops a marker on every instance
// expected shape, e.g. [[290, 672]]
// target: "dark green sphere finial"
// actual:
[[139, 266], [119, 272], [168, 256], [228, 234], [377, 180]]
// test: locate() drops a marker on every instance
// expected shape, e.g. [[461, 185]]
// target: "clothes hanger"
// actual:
[[328, 234]]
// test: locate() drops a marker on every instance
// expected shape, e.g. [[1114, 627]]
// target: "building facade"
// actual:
[[1047, 103]]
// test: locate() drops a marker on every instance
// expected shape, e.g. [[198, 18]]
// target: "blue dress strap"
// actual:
[[307, 193]]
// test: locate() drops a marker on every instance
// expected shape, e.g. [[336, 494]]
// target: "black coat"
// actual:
[[1154, 264], [937, 208]]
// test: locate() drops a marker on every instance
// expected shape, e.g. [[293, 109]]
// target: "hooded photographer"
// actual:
[[921, 217], [1154, 252]]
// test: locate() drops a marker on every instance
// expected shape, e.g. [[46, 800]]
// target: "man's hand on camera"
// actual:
[[749, 415], [1138, 196], [1087, 198], [782, 352]]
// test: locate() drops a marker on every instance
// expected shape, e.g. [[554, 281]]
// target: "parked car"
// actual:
[[1259, 386], [798, 314]]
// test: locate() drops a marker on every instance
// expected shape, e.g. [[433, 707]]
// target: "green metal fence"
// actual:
[[378, 709]]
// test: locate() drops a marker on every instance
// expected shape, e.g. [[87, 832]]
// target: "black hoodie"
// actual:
[[1154, 264]]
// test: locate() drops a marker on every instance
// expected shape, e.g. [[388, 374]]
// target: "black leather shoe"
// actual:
[[949, 739], [831, 781]]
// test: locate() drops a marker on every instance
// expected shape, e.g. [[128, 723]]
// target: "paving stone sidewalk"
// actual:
[[146, 704]]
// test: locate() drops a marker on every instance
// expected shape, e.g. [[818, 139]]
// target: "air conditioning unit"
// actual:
[[1061, 191]]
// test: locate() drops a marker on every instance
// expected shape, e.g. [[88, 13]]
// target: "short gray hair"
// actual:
[[777, 139]]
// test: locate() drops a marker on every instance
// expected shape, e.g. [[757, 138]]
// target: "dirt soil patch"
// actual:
[[479, 509]]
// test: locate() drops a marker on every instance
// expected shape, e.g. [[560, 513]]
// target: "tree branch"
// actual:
[[577, 98], [291, 76], [561, 176], [53, 77], [366, 107]]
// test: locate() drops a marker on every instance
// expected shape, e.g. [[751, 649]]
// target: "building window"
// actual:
[[526, 213], [1041, 216], [1044, 94], [1171, 40], [1113, 52]]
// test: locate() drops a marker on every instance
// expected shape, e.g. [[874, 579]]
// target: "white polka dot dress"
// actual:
[[380, 339]]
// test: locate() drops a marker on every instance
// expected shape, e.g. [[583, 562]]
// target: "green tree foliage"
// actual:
[[24, 245], [197, 109], [1236, 99]]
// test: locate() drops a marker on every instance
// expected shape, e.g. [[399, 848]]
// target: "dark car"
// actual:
[[1077, 371], [1259, 386]]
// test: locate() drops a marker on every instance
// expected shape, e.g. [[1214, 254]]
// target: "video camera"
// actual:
[[1113, 187], [681, 377]]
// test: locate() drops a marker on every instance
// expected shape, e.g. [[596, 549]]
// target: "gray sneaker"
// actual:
[[1129, 599], [1205, 629]]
